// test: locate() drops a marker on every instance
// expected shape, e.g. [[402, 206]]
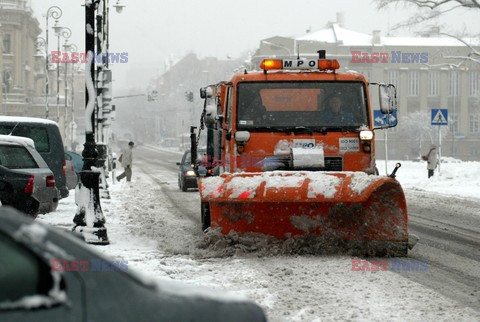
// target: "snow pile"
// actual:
[[215, 244], [456, 179]]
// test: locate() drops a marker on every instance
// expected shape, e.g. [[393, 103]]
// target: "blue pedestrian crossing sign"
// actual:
[[380, 119], [439, 116]]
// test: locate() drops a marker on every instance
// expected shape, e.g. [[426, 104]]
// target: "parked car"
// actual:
[[15, 191], [48, 142], [77, 160], [186, 176], [70, 174], [50, 275], [39, 195]]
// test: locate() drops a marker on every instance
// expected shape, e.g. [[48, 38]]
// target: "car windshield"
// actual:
[[311, 105], [16, 157], [187, 157], [36, 133]]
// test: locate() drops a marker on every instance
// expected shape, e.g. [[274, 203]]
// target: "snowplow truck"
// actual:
[[290, 153]]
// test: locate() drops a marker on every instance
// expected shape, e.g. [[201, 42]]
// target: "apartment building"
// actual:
[[424, 70]]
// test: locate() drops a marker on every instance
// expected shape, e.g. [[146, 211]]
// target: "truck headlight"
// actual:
[[366, 135], [190, 173]]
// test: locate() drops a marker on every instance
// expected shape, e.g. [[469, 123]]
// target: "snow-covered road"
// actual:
[[156, 228]]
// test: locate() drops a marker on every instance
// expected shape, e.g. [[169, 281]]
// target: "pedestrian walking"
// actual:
[[126, 159], [431, 158]]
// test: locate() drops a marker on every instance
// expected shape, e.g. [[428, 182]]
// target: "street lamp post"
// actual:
[[66, 33], [39, 43], [278, 46], [89, 219], [69, 48], [55, 13]]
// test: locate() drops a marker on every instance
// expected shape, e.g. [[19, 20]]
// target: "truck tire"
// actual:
[[205, 209]]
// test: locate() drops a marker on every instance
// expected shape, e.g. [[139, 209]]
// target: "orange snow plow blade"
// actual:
[[351, 209]]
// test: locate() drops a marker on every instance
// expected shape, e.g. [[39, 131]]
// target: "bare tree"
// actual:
[[416, 129], [429, 9]]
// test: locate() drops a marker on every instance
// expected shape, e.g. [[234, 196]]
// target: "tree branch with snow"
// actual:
[[429, 9]]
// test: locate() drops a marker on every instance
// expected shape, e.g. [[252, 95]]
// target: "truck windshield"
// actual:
[[311, 105]]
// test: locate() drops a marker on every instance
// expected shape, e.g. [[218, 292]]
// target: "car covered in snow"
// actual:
[[50, 275], [48, 142], [20, 160]]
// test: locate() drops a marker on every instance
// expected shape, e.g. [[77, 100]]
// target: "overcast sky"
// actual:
[[152, 30]]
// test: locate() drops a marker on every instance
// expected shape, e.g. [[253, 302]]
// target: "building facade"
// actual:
[[21, 78], [429, 72], [23, 72]]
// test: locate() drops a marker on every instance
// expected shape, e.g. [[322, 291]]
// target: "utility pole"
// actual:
[[89, 219]]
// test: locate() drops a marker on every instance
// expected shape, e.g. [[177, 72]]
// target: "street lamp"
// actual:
[[278, 46], [39, 43], [65, 33], [119, 6], [69, 127], [55, 13], [89, 218]]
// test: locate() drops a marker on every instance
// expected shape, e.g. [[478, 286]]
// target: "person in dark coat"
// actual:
[[432, 160]]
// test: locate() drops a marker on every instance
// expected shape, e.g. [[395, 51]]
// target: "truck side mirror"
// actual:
[[387, 96], [388, 104], [206, 92]]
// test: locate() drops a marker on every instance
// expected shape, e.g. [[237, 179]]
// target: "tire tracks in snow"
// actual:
[[449, 232]]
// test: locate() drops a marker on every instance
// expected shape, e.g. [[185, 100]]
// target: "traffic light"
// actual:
[[189, 96], [152, 95]]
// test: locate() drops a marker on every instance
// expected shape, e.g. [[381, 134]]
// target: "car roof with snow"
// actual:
[[21, 119], [17, 140]]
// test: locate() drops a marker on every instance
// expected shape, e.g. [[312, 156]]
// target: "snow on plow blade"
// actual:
[[348, 209]]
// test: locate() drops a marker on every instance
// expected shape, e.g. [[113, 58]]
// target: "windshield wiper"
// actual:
[[298, 129], [325, 129], [263, 129]]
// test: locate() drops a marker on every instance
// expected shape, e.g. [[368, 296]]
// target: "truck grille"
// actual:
[[333, 164]]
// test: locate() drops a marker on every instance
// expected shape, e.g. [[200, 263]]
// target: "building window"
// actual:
[[453, 83], [7, 43], [474, 83], [474, 151], [413, 83], [453, 123], [7, 81], [474, 122], [393, 78], [433, 83]]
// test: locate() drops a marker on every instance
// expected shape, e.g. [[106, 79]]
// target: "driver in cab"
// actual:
[[336, 113]]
